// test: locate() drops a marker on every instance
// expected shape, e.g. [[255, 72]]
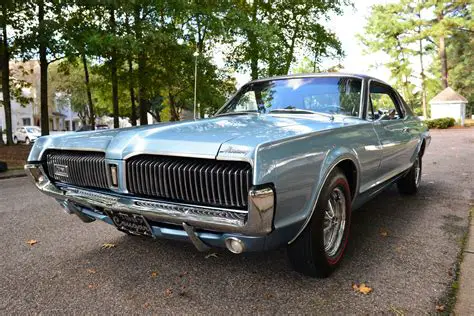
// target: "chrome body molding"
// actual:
[[255, 221]]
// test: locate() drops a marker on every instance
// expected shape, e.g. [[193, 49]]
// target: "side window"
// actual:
[[383, 103]]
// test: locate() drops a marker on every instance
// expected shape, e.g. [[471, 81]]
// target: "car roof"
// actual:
[[319, 75]]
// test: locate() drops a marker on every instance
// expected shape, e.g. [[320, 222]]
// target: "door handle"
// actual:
[[405, 129]]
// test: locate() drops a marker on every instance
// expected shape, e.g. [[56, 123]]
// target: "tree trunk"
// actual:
[[132, 92], [43, 72], [141, 70], [133, 117], [173, 111], [5, 56], [113, 69], [423, 78], [88, 89], [444, 62], [253, 43], [289, 56]]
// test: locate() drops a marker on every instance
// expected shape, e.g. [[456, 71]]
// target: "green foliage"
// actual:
[[269, 33], [441, 123], [145, 49], [409, 32]]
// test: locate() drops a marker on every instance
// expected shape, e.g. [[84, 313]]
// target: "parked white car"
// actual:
[[26, 134]]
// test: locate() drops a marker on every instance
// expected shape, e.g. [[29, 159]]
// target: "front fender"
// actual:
[[298, 170], [333, 158]]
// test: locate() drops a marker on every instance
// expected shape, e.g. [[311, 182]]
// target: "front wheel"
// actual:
[[320, 247], [27, 141], [411, 181]]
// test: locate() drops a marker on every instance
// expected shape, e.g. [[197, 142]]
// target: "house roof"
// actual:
[[448, 95]]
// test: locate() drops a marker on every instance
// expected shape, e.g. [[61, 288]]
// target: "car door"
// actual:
[[21, 134], [387, 116]]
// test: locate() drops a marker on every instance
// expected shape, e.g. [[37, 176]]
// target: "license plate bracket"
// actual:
[[131, 223]]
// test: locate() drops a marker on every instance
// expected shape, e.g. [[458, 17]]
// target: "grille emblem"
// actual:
[[61, 170]]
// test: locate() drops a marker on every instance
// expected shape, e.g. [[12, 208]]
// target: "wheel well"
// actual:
[[350, 171], [422, 148]]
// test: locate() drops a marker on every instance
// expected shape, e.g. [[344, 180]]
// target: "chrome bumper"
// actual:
[[255, 221]]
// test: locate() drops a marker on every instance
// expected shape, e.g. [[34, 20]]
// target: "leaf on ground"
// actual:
[[440, 308], [397, 311], [212, 255], [362, 288], [92, 286], [91, 271], [146, 305], [383, 232], [154, 274], [108, 246], [168, 292], [32, 242]]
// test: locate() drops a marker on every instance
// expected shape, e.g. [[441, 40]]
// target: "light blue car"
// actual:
[[283, 163]]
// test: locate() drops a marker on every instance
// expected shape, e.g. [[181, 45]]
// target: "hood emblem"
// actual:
[[234, 150]]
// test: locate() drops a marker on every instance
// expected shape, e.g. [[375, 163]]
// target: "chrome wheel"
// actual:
[[334, 222], [417, 172]]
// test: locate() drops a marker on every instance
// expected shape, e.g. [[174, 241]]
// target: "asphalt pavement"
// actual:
[[404, 248]]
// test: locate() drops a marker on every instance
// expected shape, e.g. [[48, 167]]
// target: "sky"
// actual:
[[346, 27]]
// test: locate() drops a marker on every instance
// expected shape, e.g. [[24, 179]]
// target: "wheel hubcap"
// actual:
[[334, 222]]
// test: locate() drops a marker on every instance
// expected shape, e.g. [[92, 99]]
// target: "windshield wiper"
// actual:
[[301, 111], [236, 113]]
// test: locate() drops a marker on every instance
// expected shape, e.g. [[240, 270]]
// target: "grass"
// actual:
[[449, 300]]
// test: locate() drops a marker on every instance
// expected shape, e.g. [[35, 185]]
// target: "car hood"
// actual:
[[219, 137]]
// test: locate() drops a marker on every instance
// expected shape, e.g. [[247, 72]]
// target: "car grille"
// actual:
[[85, 169], [190, 180]]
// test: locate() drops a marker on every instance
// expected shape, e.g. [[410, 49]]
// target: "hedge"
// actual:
[[444, 122]]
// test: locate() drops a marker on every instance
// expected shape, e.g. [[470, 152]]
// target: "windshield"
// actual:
[[33, 130], [329, 95]]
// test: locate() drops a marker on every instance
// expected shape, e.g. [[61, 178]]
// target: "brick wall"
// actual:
[[15, 156]]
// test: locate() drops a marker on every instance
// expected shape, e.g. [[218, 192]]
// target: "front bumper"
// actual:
[[218, 223]]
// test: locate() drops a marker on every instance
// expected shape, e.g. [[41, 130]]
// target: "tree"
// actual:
[[12, 21], [5, 66], [42, 35], [387, 31], [409, 29], [267, 34]]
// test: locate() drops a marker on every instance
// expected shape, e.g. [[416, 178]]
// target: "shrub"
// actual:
[[444, 122]]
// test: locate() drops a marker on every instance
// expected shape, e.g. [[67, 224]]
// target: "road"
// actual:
[[404, 248]]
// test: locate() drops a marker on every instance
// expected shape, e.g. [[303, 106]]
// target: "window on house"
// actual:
[[26, 121]]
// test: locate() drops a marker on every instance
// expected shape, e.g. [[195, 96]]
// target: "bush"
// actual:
[[444, 122]]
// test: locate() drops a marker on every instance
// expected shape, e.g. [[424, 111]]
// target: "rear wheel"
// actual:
[[320, 247], [15, 140], [411, 181]]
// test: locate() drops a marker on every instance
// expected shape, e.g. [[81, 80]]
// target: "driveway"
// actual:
[[405, 248]]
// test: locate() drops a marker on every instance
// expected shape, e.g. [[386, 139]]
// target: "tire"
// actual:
[[27, 141], [308, 253], [411, 181], [15, 140]]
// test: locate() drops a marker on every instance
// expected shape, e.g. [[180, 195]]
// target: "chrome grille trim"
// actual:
[[190, 180], [85, 169]]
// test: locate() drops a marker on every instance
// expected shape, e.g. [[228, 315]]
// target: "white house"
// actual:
[[21, 115], [448, 103]]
